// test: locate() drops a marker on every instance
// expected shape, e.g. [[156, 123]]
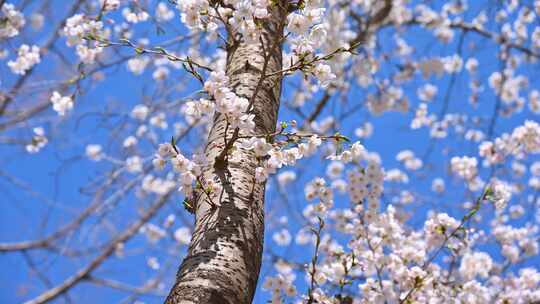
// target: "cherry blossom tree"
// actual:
[[275, 151]]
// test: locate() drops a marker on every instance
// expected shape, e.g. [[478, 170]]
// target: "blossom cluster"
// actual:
[[279, 157], [516, 242], [157, 185], [156, 233], [310, 34], [394, 261], [240, 14], [364, 186], [438, 229], [226, 101], [134, 17], [499, 193], [188, 170], [94, 152], [79, 27], [524, 140], [242, 17], [61, 104], [282, 284], [409, 160], [28, 56], [109, 5], [12, 21], [39, 140], [464, 167]]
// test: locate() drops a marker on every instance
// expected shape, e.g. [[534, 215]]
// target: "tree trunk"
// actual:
[[224, 256]]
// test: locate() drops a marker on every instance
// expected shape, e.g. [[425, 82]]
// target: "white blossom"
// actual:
[[475, 264], [77, 28], [109, 5], [182, 235], [163, 13], [500, 194], [12, 21], [324, 75], [282, 237], [39, 140], [427, 92], [61, 104], [153, 233], [27, 58], [134, 164], [94, 152], [464, 167], [134, 17], [286, 177], [153, 263]]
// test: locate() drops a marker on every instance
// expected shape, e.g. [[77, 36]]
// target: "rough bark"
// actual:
[[224, 256]]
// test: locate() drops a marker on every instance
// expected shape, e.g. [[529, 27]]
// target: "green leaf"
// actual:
[[188, 206], [173, 144], [488, 194], [339, 137], [440, 229]]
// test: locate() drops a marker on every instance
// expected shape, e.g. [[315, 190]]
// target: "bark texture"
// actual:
[[224, 256]]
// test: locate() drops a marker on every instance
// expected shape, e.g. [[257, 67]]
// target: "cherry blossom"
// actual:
[[437, 201], [13, 22], [61, 104], [27, 58]]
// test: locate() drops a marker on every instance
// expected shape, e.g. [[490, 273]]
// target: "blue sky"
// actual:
[[41, 192]]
